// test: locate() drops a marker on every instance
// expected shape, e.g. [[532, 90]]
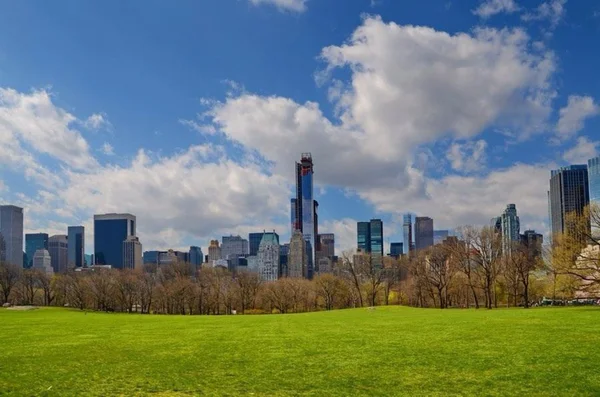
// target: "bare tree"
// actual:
[[439, 272], [462, 253], [352, 271], [9, 277], [487, 247], [28, 286], [248, 288], [329, 288]]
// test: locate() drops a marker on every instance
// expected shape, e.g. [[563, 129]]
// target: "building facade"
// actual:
[[298, 257], [423, 232], [214, 251], [196, 256], [284, 255], [58, 249], [439, 236], [511, 228], [233, 247], [327, 243], [407, 229], [533, 242], [11, 235], [363, 236], [42, 261], [76, 241], [34, 242], [594, 179], [268, 258], [304, 209], [110, 230], [396, 250], [569, 191], [132, 253]]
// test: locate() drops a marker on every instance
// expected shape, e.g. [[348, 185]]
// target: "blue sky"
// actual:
[[191, 116]]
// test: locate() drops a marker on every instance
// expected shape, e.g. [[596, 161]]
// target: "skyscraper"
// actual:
[[511, 228], [34, 242], [423, 232], [376, 244], [407, 228], [297, 256], [196, 256], [284, 254], [396, 250], [254, 240], [42, 261], [11, 234], [110, 230], [76, 241], [569, 191], [533, 242], [268, 257], [132, 253], [439, 236], [58, 247], [327, 241], [233, 247], [214, 251], [594, 179], [304, 208], [363, 236]]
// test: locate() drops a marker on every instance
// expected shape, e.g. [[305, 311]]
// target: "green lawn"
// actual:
[[387, 351]]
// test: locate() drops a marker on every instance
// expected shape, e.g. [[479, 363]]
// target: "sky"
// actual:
[[190, 115]]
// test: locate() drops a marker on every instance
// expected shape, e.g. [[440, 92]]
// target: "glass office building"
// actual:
[[76, 246], [110, 231], [196, 256], [396, 249], [594, 179], [569, 191], [11, 234], [423, 232], [363, 236], [407, 228], [34, 242]]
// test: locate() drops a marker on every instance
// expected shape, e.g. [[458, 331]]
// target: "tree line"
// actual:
[[471, 270]]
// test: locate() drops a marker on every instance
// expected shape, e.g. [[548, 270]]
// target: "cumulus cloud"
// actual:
[[573, 116], [458, 200], [468, 156], [489, 8], [283, 5], [107, 149], [552, 11], [96, 121], [583, 150], [34, 120]]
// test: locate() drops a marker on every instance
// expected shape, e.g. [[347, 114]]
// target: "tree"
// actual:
[[576, 252], [351, 270], [487, 250], [328, 287], [9, 277], [48, 285], [462, 254], [248, 288], [28, 286], [439, 271]]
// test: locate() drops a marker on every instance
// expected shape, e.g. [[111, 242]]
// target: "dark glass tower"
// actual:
[[76, 246], [34, 242], [396, 250], [569, 191], [304, 208], [594, 179], [423, 232], [110, 230], [363, 236], [407, 227]]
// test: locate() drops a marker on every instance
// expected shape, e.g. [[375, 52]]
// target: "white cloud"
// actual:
[[458, 200], [33, 119], [489, 8], [193, 192], [96, 121], [468, 156], [582, 151], [573, 116], [552, 11], [410, 86], [283, 5], [107, 149], [201, 128]]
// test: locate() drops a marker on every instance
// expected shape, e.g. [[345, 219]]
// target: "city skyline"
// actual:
[[94, 138]]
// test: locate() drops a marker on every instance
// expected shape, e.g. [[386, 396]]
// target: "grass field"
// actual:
[[387, 351]]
